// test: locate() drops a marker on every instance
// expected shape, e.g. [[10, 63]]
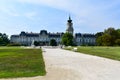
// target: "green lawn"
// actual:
[[107, 52], [19, 62]]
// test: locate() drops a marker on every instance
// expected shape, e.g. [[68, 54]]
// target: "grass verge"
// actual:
[[107, 52], [19, 62]]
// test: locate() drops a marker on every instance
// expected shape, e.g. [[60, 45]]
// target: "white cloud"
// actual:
[[91, 13], [30, 15], [9, 10], [81, 8]]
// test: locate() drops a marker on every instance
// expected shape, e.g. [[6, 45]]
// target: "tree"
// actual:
[[117, 42], [110, 37], [109, 31], [36, 43], [98, 34], [113, 33], [106, 40], [53, 42], [4, 39], [118, 31], [99, 41], [67, 39], [1, 41]]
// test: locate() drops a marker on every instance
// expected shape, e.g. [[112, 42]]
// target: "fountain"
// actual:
[[32, 44]]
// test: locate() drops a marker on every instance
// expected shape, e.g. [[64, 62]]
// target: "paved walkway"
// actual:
[[67, 65]]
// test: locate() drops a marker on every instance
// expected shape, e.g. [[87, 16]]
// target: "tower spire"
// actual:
[[70, 26], [69, 20], [69, 17]]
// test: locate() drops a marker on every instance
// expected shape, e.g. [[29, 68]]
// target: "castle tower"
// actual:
[[70, 26]]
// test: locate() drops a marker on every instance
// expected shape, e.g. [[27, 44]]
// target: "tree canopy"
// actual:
[[4, 39], [67, 39], [53, 42], [110, 37], [36, 43]]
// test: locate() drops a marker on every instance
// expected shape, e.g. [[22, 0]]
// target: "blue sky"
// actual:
[[89, 16]]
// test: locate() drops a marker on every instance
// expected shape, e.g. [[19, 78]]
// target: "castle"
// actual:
[[25, 38]]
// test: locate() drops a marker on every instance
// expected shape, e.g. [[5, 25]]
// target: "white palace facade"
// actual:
[[44, 37]]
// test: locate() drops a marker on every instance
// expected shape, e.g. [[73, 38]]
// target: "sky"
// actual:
[[89, 16]]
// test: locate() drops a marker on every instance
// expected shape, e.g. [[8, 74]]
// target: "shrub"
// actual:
[[14, 44]]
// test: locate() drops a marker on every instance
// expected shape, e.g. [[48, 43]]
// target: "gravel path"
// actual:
[[67, 65]]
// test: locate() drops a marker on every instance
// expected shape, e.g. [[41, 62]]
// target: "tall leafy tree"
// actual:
[[98, 34], [113, 33], [36, 43], [118, 31], [67, 39], [106, 40], [4, 39], [99, 41], [53, 42], [110, 37], [117, 42]]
